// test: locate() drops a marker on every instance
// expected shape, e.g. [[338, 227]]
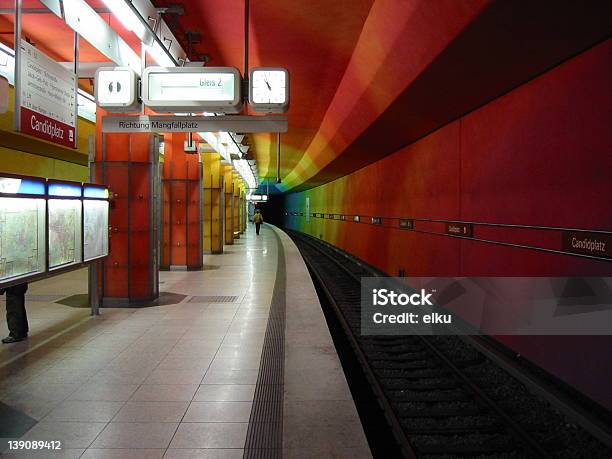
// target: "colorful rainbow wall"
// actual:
[[541, 155]]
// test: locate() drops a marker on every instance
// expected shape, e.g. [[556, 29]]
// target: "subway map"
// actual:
[[64, 226], [19, 244], [95, 222]]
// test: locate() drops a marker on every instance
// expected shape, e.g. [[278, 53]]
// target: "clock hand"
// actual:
[[268, 84]]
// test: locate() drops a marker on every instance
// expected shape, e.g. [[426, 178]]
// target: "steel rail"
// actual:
[[513, 426]]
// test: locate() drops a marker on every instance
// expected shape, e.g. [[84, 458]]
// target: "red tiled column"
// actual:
[[182, 206], [128, 165]]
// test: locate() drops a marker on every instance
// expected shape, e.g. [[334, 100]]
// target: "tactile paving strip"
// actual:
[[265, 432], [213, 299]]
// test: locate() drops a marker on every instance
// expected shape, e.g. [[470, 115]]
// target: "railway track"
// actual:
[[440, 396]]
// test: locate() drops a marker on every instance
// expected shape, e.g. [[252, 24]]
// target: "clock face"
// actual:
[[269, 86], [269, 89]]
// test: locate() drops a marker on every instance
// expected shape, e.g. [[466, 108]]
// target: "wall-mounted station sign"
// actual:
[[588, 243], [192, 89], [460, 229], [48, 98]]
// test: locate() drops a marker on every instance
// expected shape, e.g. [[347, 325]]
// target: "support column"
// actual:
[[242, 207], [213, 192], [129, 165], [236, 207], [228, 183], [240, 204], [182, 206]]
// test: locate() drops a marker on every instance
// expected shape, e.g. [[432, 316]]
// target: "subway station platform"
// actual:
[[239, 363]]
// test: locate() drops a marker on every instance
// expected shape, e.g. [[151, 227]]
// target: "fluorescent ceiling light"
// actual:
[[242, 166], [86, 106], [245, 171], [82, 18], [130, 19]]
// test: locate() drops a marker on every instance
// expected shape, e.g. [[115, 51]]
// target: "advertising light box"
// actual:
[[192, 89]]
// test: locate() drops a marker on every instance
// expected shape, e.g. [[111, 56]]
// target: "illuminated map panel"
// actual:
[[95, 229], [64, 232], [22, 236]]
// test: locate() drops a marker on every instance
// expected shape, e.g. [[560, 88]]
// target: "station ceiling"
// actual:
[[371, 77], [367, 77], [313, 39]]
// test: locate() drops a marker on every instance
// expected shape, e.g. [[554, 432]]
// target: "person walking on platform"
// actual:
[[258, 220], [16, 317]]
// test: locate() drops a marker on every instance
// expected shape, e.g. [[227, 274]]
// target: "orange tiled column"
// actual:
[[182, 206], [128, 165], [228, 183], [213, 193], [236, 206]]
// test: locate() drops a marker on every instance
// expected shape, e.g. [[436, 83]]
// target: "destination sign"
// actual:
[[166, 123], [169, 89]]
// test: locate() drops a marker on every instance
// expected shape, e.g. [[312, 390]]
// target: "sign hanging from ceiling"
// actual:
[[165, 123], [48, 98], [192, 89], [116, 89]]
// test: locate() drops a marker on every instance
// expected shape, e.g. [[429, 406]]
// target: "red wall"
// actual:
[[539, 155]]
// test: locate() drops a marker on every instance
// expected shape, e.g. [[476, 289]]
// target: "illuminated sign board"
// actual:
[[95, 191], [116, 89], [64, 189], [258, 197], [192, 89], [22, 185]]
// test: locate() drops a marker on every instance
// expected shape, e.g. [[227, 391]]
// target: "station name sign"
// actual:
[[47, 98], [594, 244], [460, 229], [164, 123]]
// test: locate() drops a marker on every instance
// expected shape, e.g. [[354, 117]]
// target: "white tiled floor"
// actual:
[[178, 381], [171, 381]]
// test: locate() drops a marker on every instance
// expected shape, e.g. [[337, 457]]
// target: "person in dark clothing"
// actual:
[[258, 220], [16, 317]]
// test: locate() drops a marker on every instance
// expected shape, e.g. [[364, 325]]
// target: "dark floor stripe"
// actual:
[[265, 432]]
